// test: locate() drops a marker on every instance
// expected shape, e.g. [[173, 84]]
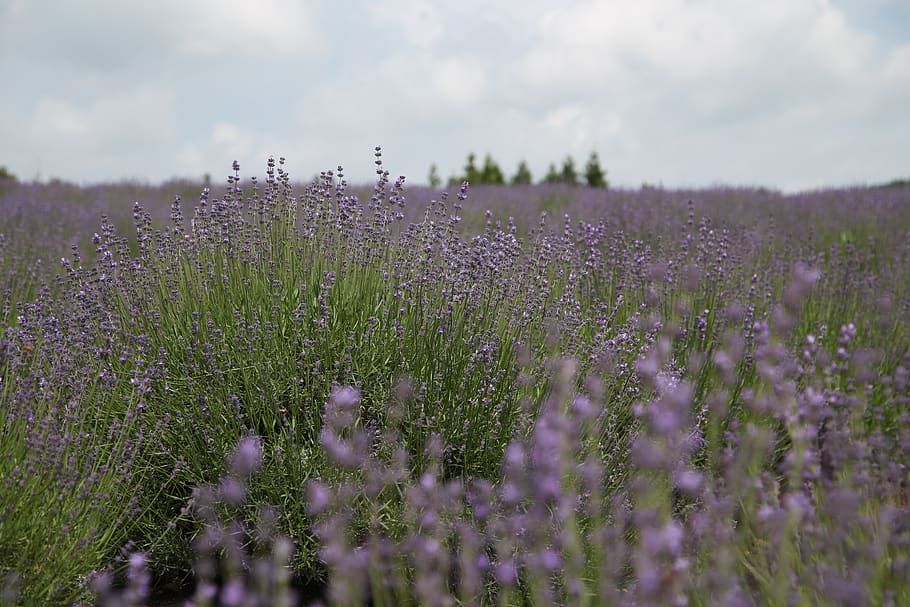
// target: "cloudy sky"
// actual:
[[791, 94]]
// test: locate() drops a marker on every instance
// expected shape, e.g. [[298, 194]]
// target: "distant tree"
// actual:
[[569, 175], [896, 183], [595, 176], [6, 174], [491, 172], [471, 174], [522, 175], [433, 178], [552, 175]]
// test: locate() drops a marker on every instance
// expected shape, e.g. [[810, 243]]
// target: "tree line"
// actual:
[[489, 173]]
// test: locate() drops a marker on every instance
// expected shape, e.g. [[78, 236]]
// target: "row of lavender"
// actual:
[[645, 399]]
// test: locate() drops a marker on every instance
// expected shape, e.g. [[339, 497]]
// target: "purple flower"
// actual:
[[551, 559], [666, 539], [232, 491], [506, 572], [247, 457], [318, 497], [688, 480], [233, 593], [346, 398]]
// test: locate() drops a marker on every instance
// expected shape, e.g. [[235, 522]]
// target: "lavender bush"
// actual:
[[535, 395]]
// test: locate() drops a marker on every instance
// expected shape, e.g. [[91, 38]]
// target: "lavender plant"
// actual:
[[758, 529]]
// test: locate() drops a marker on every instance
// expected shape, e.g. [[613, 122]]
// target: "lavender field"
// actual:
[[268, 393]]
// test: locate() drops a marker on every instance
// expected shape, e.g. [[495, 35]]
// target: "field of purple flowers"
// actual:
[[529, 395]]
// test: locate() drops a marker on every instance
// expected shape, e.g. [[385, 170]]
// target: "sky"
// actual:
[[788, 94]]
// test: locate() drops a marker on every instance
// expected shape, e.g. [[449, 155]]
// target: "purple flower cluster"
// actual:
[[797, 500]]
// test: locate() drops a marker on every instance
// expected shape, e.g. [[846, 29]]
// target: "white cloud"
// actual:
[[572, 124], [779, 92], [120, 120], [591, 44], [141, 39], [457, 83], [226, 29], [214, 153], [897, 70], [12, 9], [841, 50], [120, 132], [230, 138], [54, 118], [419, 21]]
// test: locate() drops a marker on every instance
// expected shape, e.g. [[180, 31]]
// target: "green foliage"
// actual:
[[896, 183], [491, 174], [471, 174], [552, 176], [522, 175], [568, 175], [51, 534], [433, 179], [595, 176], [6, 175]]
